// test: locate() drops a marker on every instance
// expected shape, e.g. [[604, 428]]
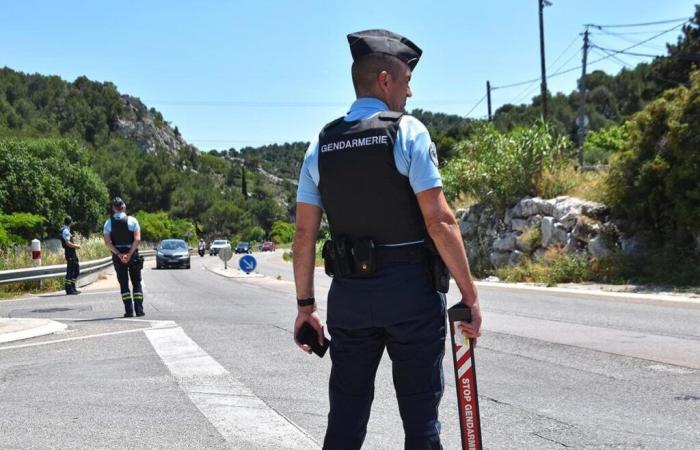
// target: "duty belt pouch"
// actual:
[[337, 257], [364, 258], [437, 270], [136, 262], [327, 254]]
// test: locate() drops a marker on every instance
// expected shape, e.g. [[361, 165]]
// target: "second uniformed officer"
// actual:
[[374, 172], [72, 262], [122, 235]]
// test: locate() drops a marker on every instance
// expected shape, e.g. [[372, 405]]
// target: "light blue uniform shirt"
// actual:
[[412, 153], [65, 233], [131, 223]]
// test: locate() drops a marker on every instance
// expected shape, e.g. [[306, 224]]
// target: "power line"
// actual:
[[645, 55], [528, 89], [628, 25], [630, 41], [562, 72], [477, 104], [282, 104]]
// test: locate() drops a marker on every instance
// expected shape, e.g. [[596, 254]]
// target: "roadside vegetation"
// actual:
[[64, 150], [19, 257]]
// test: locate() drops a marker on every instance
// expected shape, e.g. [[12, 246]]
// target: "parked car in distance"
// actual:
[[172, 253], [268, 246], [243, 247], [217, 245]]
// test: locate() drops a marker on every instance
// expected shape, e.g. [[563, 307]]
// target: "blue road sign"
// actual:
[[247, 263]]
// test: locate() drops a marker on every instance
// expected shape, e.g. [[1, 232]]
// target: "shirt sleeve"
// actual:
[[133, 224], [307, 191], [65, 234], [107, 229], [417, 157]]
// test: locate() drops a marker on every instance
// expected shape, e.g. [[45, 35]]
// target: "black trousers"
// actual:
[[126, 272], [398, 311], [72, 273]]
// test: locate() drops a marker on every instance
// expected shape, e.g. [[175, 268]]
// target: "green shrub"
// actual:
[[159, 225], [282, 232], [51, 178], [654, 181], [22, 227], [600, 145], [497, 168]]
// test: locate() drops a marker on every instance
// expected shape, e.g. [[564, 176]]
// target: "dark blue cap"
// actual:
[[366, 42], [117, 202]]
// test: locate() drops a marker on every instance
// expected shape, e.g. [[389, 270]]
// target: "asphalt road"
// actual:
[[214, 366]]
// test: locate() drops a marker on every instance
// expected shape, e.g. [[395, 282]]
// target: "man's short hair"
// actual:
[[366, 70]]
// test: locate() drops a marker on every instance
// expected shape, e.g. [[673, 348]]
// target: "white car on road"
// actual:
[[218, 245]]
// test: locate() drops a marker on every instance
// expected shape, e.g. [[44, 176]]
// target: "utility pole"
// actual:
[[582, 120], [488, 97], [541, 4]]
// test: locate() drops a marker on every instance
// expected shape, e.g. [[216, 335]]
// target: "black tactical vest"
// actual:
[[363, 193], [121, 236]]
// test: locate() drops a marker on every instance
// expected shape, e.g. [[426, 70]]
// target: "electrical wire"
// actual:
[[629, 25], [529, 88], [477, 104], [630, 41]]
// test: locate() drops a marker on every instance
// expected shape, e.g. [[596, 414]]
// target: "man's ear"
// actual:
[[383, 79]]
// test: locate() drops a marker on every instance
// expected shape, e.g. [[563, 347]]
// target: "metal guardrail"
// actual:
[[58, 270]]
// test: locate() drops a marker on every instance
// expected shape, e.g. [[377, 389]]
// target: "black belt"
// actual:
[[401, 254]]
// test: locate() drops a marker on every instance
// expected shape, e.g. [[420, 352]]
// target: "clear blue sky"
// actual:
[[237, 73]]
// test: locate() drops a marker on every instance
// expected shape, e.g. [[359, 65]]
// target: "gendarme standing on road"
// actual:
[[122, 235], [72, 264], [374, 173]]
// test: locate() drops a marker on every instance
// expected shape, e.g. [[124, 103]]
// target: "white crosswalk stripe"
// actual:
[[241, 417]]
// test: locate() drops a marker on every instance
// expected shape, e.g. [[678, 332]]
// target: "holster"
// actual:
[[136, 262], [344, 258], [437, 270]]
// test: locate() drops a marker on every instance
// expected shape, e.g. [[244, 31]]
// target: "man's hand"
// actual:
[[313, 319], [472, 329], [124, 258]]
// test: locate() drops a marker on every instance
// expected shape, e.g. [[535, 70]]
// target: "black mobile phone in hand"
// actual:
[[308, 335]]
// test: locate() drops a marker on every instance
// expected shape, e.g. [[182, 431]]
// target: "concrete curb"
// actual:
[[587, 291], [18, 329], [237, 274]]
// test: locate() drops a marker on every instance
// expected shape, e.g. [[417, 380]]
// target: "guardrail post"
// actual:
[[36, 257]]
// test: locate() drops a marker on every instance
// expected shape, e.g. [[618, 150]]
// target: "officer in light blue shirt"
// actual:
[[71, 254], [122, 236], [374, 173]]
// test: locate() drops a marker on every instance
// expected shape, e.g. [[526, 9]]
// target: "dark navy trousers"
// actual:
[[126, 272], [72, 272], [400, 312]]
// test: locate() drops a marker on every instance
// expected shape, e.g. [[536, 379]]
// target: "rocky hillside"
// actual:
[[146, 127]]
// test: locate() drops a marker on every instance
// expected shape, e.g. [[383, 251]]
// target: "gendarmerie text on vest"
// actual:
[[354, 143]]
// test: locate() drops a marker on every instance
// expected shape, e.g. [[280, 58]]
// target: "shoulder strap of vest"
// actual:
[[393, 116], [332, 124]]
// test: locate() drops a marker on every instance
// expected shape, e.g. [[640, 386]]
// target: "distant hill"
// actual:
[[140, 156]]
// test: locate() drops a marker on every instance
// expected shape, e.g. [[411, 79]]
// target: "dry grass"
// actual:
[[554, 267], [569, 181]]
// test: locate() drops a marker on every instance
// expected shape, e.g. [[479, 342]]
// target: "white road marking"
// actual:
[[237, 413], [156, 324]]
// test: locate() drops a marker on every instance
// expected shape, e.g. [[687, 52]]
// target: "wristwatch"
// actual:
[[306, 301]]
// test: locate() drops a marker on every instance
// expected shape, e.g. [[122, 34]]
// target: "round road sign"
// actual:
[[247, 263]]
